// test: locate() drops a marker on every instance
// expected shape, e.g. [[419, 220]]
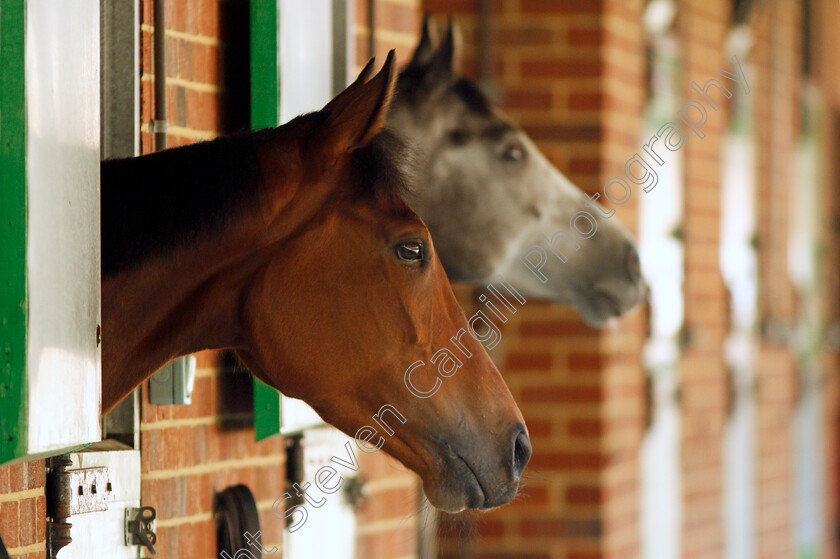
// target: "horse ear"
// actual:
[[443, 65], [358, 113], [426, 48]]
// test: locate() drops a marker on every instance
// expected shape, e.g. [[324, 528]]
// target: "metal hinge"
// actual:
[[71, 492]]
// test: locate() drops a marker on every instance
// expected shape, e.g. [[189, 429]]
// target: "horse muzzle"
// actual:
[[478, 474]]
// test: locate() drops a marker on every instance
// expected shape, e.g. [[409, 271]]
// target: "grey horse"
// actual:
[[493, 202]]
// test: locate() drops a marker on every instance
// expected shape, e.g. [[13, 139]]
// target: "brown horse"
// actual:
[[294, 247]]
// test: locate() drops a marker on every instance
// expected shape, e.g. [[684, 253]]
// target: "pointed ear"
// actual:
[[443, 65], [358, 113], [426, 48]]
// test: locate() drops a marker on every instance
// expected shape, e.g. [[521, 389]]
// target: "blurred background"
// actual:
[[703, 425]]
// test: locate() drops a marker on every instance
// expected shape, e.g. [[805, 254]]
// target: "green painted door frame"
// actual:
[[265, 113], [13, 299]]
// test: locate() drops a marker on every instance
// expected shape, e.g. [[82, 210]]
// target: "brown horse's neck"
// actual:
[[173, 287], [162, 309]]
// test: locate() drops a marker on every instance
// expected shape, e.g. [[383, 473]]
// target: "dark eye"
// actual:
[[513, 153], [459, 137], [410, 251]]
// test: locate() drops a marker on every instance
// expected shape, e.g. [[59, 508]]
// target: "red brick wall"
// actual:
[[23, 510], [189, 453], [397, 26], [777, 59], [703, 26], [623, 409]]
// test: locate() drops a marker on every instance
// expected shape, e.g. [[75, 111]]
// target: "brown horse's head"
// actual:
[[352, 296]]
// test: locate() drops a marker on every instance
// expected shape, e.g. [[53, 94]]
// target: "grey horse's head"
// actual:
[[493, 202]]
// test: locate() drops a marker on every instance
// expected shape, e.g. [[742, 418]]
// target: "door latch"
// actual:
[[140, 527], [355, 492]]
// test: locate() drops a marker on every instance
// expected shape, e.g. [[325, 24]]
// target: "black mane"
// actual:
[[473, 97], [414, 87], [385, 167], [155, 203]]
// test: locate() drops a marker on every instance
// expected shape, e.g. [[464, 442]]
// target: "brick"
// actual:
[[36, 474], [208, 359], [176, 15], [40, 518], [584, 165], [585, 37], [531, 495], [206, 62], [514, 555], [587, 495], [533, 100], [18, 477], [209, 18], [491, 529], [10, 523], [528, 361], [452, 6], [585, 101], [566, 7], [397, 18], [585, 361], [28, 512], [538, 428], [4, 480], [168, 543], [560, 68], [564, 132], [170, 448], [524, 36], [193, 15], [567, 460]]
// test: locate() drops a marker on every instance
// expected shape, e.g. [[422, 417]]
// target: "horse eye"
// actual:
[[410, 252], [458, 137], [514, 152]]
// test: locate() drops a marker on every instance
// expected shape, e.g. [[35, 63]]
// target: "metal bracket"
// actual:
[[88, 489], [140, 527], [69, 493], [79, 491]]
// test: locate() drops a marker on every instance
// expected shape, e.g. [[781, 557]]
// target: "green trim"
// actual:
[[265, 113], [13, 299], [268, 408], [265, 65]]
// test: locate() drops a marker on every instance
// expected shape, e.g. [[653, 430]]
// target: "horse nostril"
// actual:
[[521, 453], [634, 267]]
